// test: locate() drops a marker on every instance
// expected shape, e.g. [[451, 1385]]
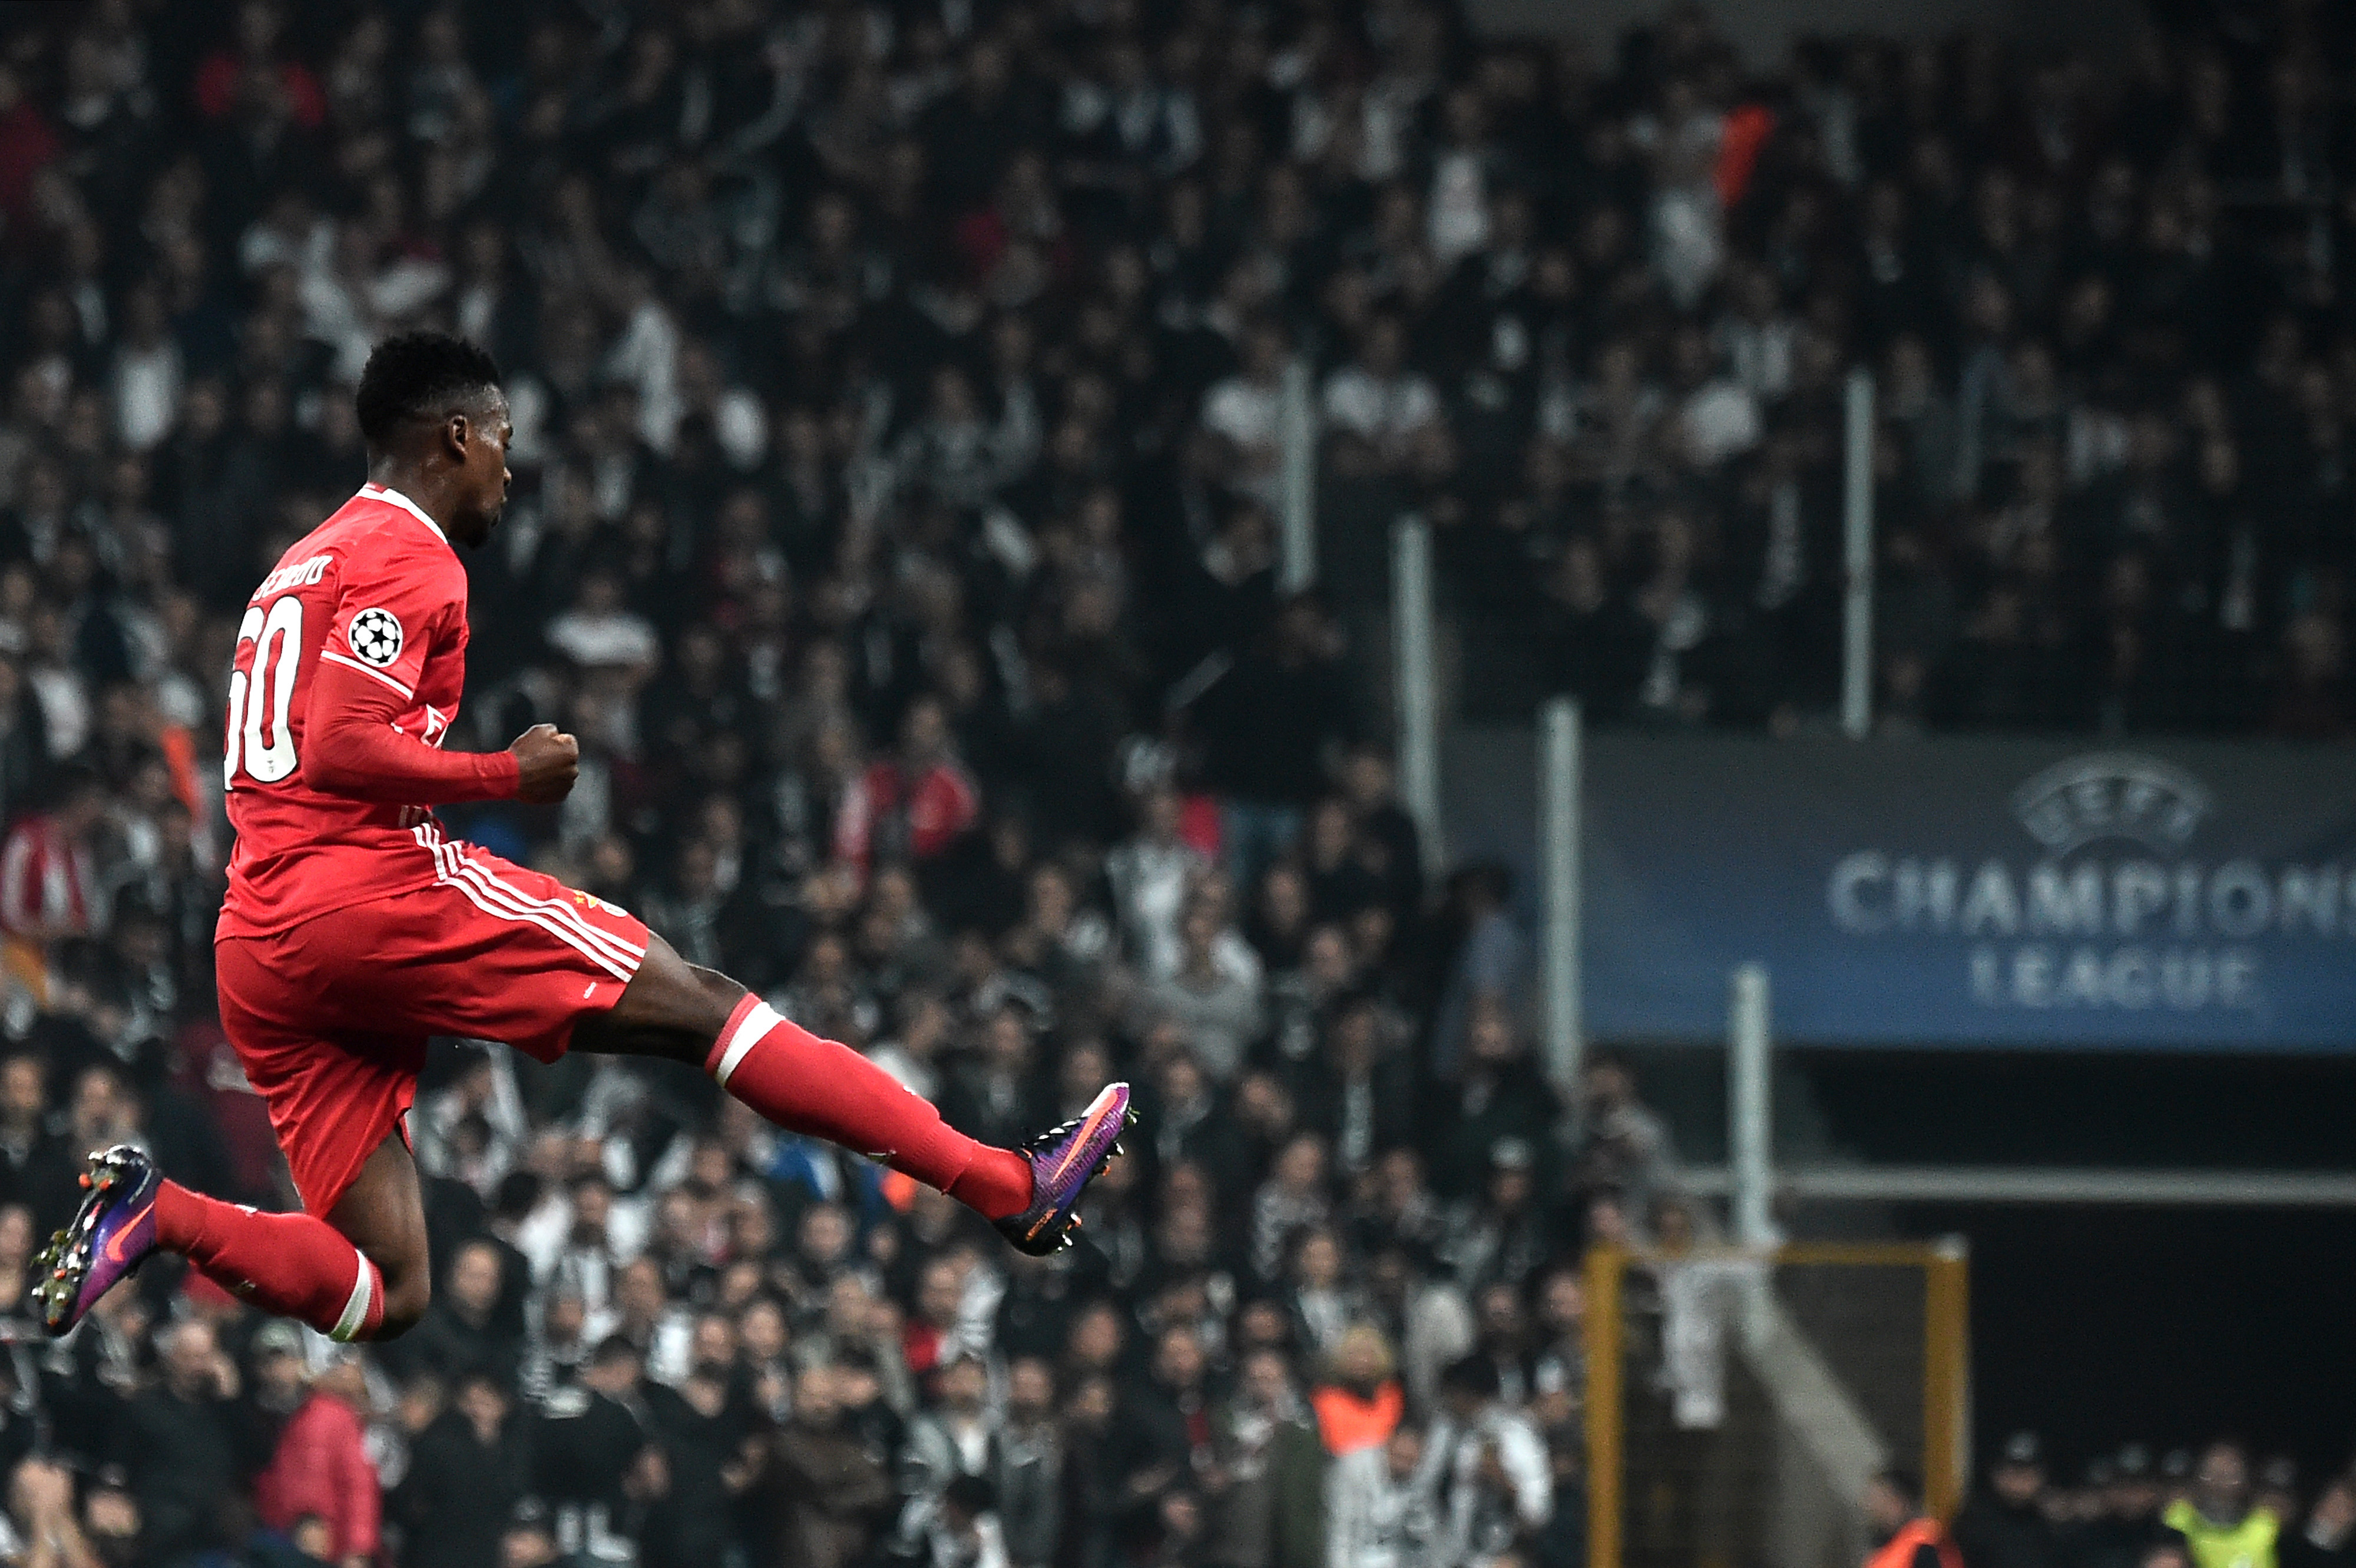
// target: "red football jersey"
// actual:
[[376, 588]]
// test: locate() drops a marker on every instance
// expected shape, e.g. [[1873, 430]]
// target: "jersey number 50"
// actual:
[[277, 638]]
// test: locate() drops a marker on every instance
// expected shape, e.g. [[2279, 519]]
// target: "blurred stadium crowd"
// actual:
[[898, 392]]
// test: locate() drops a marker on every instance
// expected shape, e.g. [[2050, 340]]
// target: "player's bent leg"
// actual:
[[805, 1084], [382, 1214], [676, 1010], [671, 1009], [360, 1273]]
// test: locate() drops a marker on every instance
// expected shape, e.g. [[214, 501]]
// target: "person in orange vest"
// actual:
[[1904, 1536], [1360, 1403]]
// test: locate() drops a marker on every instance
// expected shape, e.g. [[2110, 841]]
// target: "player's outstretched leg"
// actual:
[[805, 1084], [293, 1265]]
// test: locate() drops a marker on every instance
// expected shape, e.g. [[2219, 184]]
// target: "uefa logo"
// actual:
[[2112, 795]]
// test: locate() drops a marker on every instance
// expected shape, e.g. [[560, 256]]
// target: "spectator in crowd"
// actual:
[[320, 1466], [1361, 1402], [1491, 966], [953, 1439], [1377, 396], [1026, 1472], [2277, 1489], [1216, 1009], [1383, 1505], [48, 868], [2220, 1522], [466, 1473], [2328, 1537], [44, 1527], [1558, 1367], [831, 1492], [35, 1169], [1273, 724], [1499, 1105], [1498, 1486], [913, 806], [1150, 873], [1265, 1489], [177, 1442], [2006, 1525], [1617, 1144], [529, 1541], [2129, 1523], [460, 1333], [1246, 412]]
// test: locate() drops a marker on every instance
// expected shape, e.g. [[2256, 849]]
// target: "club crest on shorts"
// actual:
[[375, 636]]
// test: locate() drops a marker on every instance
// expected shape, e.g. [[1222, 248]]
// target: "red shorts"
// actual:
[[330, 1017]]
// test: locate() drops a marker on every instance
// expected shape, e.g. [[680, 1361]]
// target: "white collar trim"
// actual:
[[387, 493]]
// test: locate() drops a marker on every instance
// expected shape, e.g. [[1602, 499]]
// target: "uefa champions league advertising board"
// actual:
[[1973, 893]]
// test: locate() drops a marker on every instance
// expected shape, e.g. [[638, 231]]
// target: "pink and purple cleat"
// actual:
[[1063, 1161], [110, 1235]]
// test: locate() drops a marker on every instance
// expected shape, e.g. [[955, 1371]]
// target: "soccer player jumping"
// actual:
[[353, 929]]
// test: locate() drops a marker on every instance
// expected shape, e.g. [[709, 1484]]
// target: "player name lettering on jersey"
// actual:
[[375, 590], [301, 574]]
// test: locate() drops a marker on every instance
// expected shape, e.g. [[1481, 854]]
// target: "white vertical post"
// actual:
[[1297, 426], [1751, 1117], [1561, 761], [1415, 679], [1856, 620]]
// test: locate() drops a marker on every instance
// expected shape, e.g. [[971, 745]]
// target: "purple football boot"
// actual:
[[1063, 1162], [110, 1235]]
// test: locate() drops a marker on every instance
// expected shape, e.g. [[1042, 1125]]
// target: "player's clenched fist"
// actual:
[[547, 762]]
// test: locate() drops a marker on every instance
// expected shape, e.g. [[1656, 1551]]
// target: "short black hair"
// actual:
[[1474, 1374], [414, 375], [74, 781], [971, 1495]]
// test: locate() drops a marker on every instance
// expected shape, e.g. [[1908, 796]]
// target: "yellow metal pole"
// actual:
[[1947, 1375], [1855, 1255], [1604, 1360]]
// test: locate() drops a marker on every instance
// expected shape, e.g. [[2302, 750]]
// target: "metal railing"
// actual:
[[1416, 682]]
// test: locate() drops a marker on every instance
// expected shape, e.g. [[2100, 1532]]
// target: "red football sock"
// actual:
[[805, 1084], [291, 1265]]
